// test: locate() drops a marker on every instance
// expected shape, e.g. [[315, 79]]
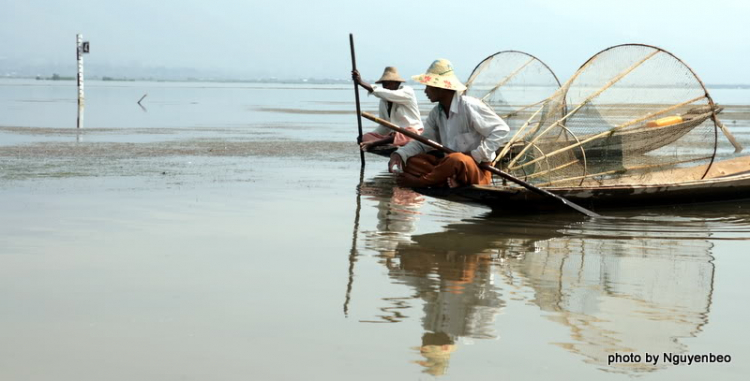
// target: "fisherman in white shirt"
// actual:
[[398, 105], [459, 122]]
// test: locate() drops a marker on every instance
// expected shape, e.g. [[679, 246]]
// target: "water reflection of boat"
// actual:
[[644, 290], [639, 295]]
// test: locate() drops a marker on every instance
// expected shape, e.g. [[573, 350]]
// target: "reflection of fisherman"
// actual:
[[452, 272], [460, 299], [398, 210], [398, 105], [436, 349]]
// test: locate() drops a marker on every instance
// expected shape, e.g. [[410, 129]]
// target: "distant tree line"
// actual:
[[56, 77], [105, 78]]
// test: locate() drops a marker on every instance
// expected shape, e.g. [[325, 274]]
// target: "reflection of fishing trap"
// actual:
[[632, 114], [512, 83]]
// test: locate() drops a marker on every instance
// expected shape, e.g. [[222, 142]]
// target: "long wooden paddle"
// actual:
[[484, 166], [356, 98]]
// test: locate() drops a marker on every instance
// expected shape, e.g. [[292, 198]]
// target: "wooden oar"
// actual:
[[737, 146], [356, 98], [484, 166]]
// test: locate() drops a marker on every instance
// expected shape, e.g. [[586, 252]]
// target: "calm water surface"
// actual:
[[225, 232]]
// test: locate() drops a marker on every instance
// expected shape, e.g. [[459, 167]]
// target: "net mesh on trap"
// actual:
[[512, 83], [632, 114]]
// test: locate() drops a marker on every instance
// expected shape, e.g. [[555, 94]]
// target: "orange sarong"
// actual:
[[433, 171]]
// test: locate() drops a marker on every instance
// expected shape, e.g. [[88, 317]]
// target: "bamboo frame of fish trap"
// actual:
[[538, 138]]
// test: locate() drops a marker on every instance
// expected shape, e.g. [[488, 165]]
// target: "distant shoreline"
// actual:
[[304, 81]]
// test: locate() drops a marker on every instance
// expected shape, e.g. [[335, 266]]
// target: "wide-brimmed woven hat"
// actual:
[[390, 74], [440, 74]]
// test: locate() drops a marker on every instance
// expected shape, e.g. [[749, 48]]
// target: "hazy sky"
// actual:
[[303, 38]]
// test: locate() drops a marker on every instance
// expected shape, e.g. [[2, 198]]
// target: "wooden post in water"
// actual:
[[79, 122], [79, 57]]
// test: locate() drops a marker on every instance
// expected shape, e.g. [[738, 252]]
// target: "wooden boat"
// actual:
[[726, 180], [600, 140], [385, 150]]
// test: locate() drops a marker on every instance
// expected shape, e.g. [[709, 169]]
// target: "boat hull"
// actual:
[[735, 187]]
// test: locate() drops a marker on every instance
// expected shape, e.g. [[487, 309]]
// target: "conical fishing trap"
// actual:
[[512, 83], [632, 114]]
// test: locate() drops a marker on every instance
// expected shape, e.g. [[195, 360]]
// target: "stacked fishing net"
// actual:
[[632, 114]]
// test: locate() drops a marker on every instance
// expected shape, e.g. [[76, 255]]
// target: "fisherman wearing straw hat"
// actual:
[[398, 105], [459, 122]]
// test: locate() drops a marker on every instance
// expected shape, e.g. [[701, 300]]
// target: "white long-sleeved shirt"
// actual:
[[404, 112], [472, 127]]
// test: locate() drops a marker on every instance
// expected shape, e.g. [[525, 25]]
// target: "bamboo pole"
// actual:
[[478, 70], [562, 90], [356, 99], [609, 84], [523, 108], [611, 131], [508, 78], [513, 139], [536, 128], [139, 102], [546, 158], [563, 166]]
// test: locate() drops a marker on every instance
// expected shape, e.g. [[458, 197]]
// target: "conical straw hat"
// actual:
[[440, 74], [390, 74]]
